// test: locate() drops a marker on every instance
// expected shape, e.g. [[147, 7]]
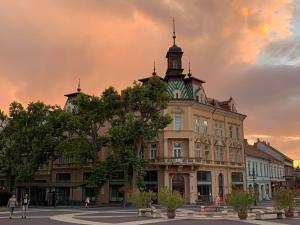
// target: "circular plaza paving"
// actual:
[[119, 216]]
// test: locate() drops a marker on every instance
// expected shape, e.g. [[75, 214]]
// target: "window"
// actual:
[[86, 176], [261, 174], [177, 94], [205, 127], [256, 169], [153, 151], [198, 150], [63, 177], [177, 150], [197, 126], [231, 153], [219, 153], [206, 152], [177, 122], [238, 154], [249, 169], [142, 153], [230, 131], [175, 64], [237, 132], [219, 129]]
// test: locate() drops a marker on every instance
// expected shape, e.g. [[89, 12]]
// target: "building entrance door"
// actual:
[[221, 185], [178, 184]]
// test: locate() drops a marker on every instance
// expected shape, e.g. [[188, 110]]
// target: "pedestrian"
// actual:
[[11, 205], [218, 199], [25, 203], [87, 202]]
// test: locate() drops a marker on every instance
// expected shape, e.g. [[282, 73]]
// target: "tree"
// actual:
[[140, 119], [87, 135], [30, 138]]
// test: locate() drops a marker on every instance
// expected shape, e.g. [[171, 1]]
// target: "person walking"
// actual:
[[25, 203], [87, 202], [11, 205]]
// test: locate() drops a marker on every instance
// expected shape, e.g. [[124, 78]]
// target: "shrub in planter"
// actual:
[[241, 202], [172, 200], [285, 201], [141, 199]]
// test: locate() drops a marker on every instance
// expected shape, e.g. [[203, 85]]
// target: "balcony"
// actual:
[[193, 161]]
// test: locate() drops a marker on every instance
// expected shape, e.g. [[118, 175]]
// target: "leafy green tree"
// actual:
[[87, 134], [140, 119], [30, 138]]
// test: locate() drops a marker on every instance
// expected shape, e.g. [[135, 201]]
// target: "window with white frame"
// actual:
[[205, 126], [153, 151], [219, 153], [197, 126], [206, 152], [177, 122], [230, 131], [239, 154], [177, 150], [219, 129], [237, 132], [198, 150], [177, 94], [231, 153]]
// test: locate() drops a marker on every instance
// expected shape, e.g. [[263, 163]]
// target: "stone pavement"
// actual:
[[119, 216]]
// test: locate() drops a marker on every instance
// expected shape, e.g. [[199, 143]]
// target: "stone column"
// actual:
[[191, 149], [166, 179], [166, 148], [193, 188]]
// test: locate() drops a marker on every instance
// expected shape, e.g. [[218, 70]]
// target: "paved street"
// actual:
[[112, 216]]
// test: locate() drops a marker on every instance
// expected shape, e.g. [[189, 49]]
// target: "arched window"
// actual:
[[177, 94]]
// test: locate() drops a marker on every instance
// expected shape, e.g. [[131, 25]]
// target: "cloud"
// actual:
[[48, 44]]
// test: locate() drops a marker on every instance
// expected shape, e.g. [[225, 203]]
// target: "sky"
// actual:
[[247, 49]]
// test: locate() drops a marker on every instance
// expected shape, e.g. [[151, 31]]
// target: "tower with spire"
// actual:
[[174, 56]]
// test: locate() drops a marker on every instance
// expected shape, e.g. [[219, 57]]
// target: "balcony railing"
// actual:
[[192, 161]]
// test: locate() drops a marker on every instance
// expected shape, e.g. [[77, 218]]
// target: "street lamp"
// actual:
[[253, 178]]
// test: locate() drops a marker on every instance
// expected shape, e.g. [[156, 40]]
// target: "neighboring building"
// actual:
[[297, 176], [200, 154], [258, 166], [287, 163]]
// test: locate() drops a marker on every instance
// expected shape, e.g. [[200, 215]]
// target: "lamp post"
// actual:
[[253, 178]]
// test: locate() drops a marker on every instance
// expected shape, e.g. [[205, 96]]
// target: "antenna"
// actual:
[[154, 69], [174, 34], [189, 74], [78, 87]]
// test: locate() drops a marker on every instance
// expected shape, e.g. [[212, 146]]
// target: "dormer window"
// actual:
[[177, 94]]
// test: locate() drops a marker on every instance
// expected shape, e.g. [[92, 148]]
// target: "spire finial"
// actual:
[[78, 87], [174, 35], [154, 69], [189, 74]]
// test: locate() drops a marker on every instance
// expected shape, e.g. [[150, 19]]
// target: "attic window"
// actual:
[[177, 94]]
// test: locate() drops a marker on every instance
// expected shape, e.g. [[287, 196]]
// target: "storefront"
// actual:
[[204, 186]]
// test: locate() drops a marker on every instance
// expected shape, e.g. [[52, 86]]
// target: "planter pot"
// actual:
[[289, 213], [171, 213], [242, 216]]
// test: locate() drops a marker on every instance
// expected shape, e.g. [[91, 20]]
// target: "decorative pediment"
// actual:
[[177, 111], [220, 143]]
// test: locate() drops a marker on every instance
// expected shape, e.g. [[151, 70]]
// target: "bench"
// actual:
[[152, 211], [259, 215]]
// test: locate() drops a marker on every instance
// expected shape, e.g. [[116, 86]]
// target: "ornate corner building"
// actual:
[[201, 153]]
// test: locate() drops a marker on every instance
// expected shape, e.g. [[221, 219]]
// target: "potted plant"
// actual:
[[240, 201], [172, 200], [141, 199], [285, 201]]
